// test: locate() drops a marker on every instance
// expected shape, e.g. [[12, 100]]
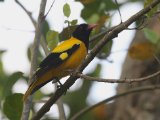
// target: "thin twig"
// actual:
[[43, 41], [119, 10], [27, 12], [101, 34], [61, 111], [135, 90], [71, 80], [157, 59], [34, 53], [142, 79], [50, 8], [45, 48]]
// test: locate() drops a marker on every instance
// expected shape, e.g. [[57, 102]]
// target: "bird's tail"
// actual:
[[34, 87], [40, 79], [29, 91]]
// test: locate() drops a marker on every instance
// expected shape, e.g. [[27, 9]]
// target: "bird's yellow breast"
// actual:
[[74, 60], [77, 57]]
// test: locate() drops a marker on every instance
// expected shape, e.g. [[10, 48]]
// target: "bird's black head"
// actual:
[[82, 33]]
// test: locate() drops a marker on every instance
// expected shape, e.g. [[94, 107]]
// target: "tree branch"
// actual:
[[135, 90], [43, 41], [61, 111], [125, 80], [70, 81], [44, 46], [34, 53], [27, 12], [50, 8]]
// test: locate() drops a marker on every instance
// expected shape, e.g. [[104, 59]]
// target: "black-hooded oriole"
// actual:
[[66, 56]]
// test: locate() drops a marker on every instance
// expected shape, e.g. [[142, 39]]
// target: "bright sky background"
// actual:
[[17, 32]]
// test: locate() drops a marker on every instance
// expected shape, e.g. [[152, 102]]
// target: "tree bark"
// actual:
[[139, 106]]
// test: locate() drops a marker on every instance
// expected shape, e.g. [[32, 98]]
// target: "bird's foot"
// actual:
[[60, 85], [56, 80]]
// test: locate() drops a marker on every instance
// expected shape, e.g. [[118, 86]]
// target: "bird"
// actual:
[[63, 59]]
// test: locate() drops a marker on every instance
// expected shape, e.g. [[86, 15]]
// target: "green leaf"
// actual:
[[66, 10], [13, 106], [66, 33], [10, 82], [1, 63], [3, 74], [74, 22], [97, 71], [45, 27], [52, 39], [153, 10], [93, 18], [66, 21], [29, 50], [152, 36], [99, 7], [2, 51], [106, 50]]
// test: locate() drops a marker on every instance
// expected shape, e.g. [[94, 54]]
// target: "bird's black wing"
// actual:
[[53, 60]]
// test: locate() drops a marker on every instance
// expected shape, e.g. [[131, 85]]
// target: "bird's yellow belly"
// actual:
[[73, 62], [76, 59], [69, 65]]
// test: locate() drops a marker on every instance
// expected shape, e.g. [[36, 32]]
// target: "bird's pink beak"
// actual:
[[92, 26]]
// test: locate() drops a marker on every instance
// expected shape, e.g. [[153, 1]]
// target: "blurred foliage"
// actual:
[[12, 103], [100, 112], [52, 39], [94, 12], [153, 10], [3, 75], [13, 106], [45, 28], [142, 51], [66, 33], [12, 79], [151, 35], [148, 49], [154, 38], [40, 56], [7, 81], [66, 10], [98, 7]]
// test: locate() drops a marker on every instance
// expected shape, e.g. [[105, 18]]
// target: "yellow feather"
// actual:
[[63, 55], [70, 64], [65, 45]]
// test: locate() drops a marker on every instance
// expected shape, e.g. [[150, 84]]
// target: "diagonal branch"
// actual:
[[142, 79], [112, 34], [135, 90]]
